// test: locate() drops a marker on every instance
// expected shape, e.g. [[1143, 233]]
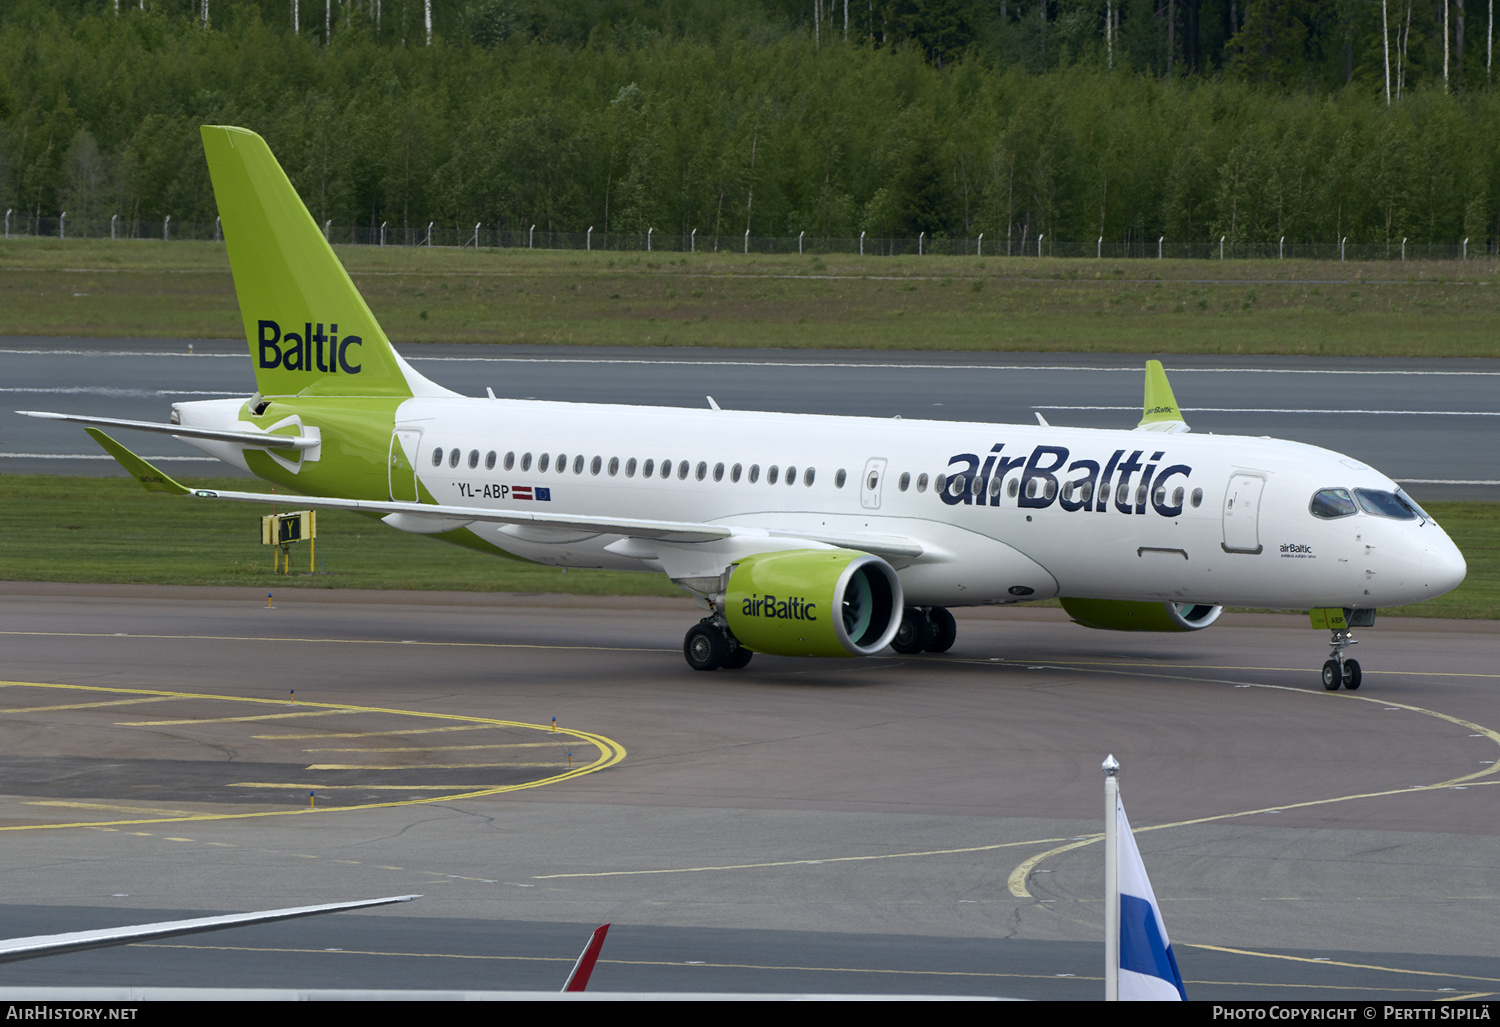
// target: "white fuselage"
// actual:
[[1035, 512]]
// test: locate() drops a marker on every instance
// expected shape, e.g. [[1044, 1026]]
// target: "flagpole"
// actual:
[[1111, 770]]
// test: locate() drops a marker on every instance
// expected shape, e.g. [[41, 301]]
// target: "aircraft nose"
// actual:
[[1443, 567]]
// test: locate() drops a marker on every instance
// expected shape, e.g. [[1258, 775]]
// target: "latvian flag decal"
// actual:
[[527, 492]]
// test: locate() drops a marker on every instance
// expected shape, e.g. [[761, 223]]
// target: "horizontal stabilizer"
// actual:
[[254, 439]]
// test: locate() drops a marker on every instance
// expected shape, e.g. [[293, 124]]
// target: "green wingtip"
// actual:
[[1161, 405], [152, 479]]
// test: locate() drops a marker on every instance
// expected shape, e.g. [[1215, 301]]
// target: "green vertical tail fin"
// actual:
[[309, 329], [1160, 412]]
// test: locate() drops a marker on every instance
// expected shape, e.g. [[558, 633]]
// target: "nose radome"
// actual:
[[1443, 567]]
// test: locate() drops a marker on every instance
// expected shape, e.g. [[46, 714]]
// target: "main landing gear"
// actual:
[[1339, 671], [709, 645], [929, 630]]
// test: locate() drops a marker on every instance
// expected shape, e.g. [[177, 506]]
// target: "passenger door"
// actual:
[[1242, 513]]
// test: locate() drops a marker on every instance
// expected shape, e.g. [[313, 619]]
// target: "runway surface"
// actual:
[[1431, 424], [895, 825]]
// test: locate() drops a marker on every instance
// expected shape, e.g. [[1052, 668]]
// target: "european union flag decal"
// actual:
[[544, 494]]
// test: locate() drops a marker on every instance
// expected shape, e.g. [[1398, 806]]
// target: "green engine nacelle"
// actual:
[[1123, 615], [813, 602]]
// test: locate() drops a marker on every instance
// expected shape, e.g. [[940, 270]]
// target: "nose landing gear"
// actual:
[[1339, 671]]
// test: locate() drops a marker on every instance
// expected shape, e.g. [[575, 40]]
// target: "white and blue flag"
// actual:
[[1148, 970]]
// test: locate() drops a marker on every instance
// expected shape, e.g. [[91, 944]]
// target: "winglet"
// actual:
[[153, 479], [579, 978], [1161, 412]]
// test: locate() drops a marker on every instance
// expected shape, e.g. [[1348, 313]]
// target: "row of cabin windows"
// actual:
[[650, 468], [647, 468]]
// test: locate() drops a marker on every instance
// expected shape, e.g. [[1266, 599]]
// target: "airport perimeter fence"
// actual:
[[20, 225]]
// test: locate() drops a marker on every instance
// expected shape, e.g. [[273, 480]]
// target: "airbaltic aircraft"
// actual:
[[802, 535]]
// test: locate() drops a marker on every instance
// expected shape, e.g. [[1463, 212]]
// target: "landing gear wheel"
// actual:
[[944, 630], [705, 646], [914, 634], [1352, 675], [1333, 675], [737, 659]]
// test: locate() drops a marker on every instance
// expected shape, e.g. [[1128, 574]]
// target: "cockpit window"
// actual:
[[1385, 504], [1331, 503], [1413, 504]]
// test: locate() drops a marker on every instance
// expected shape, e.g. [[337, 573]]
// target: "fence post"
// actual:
[[861, 234], [648, 239], [476, 233], [1159, 240], [1466, 246], [1039, 237], [166, 228], [747, 241], [382, 232], [1099, 250], [1403, 249], [693, 242], [219, 229], [62, 226], [799, 241], [1341, 246], [530, 236], [1221, 247], [7, 223], [112, 219], [920, 237], [327, 229], [979, 246], [429, 235], [1281, 249]]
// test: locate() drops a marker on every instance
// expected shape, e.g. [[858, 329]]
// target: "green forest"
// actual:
[[1124, 120]]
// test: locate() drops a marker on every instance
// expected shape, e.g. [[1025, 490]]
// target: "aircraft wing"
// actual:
[[15, 949], [255, 439], [429, 518]]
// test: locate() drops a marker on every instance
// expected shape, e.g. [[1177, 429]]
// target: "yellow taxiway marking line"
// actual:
[[322, 786], [805, 862], [339, 641], [1016, 881], [83, 705], [432, 766], [453, 748], [1354, 966], [236, 720], [403, 732], [103, 805], [773, 968], [610, 753]]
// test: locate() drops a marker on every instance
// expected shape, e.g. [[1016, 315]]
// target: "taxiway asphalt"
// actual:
[[895, 825]]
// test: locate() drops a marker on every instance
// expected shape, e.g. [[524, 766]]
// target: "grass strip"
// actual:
[[111, 530], [52, 287]]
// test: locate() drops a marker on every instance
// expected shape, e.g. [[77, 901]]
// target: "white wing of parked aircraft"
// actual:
[[15, 949], [802, 535]]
